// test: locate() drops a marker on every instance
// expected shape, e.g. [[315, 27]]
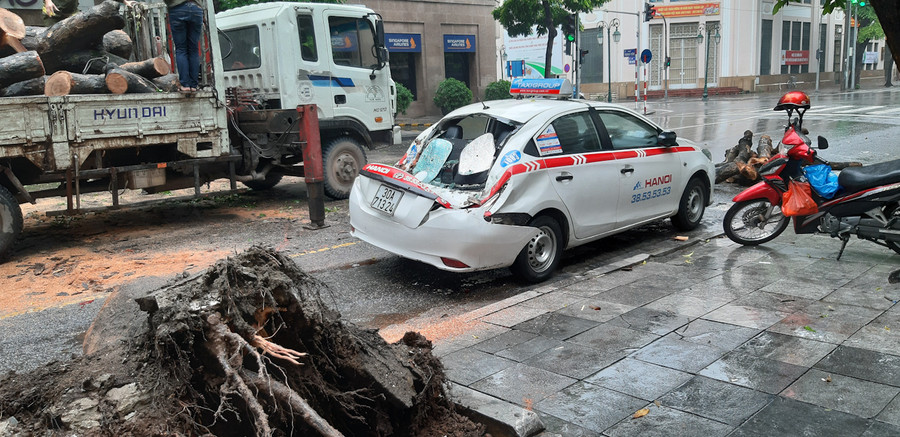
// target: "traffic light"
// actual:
[[583, 53], [649, 12], [668, 61], [570, 27]]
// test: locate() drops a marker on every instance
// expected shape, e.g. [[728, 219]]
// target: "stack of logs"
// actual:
[[87, 53], [742, 163]]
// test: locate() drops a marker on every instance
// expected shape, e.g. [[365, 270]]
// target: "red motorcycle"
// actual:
[[866, 203]]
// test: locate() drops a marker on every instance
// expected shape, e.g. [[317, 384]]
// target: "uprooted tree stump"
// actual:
[[742, 163], [248, 348]]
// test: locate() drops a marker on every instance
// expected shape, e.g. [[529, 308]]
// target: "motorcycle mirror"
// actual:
[[822, 142]]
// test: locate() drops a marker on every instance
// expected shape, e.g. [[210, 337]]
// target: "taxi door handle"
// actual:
[[565, 177], [627, 170]]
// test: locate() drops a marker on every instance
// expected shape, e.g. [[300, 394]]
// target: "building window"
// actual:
[[795, 36], [765, 49], [456, 65], [593, 69], [403, 70], [838, 49], [823, 43]]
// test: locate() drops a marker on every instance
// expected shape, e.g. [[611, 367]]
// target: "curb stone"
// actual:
[[500, 417]]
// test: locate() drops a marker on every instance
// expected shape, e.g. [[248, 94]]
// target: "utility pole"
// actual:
[[848, 46], [853, 36]]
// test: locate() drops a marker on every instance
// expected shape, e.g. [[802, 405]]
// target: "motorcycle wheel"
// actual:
[[746, 224], [890, 212]]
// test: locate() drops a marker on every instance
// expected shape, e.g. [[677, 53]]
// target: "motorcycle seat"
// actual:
[[855, 179]]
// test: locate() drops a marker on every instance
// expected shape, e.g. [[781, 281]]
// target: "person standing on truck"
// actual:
[[186, 21]]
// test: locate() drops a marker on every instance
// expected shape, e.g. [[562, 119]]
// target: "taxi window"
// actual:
[[576, 134], [627, 131]]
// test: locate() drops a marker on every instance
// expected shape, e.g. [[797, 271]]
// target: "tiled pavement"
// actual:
[[715, 339]]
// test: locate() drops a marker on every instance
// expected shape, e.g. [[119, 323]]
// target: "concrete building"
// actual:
[[743, 46], [431, 40]]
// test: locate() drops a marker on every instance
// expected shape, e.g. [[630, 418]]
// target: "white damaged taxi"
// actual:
[[512, 183]]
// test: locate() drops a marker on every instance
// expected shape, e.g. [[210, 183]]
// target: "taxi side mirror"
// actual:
[[667, 139]]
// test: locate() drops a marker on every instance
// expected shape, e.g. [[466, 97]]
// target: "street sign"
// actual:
[[631, 54], [646, 56]]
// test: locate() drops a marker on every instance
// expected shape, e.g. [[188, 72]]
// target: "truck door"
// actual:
[[315, 84], [361, 90]]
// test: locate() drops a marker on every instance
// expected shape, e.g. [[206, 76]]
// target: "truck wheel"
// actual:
[[10, 221], [343, 158], [272, 179]]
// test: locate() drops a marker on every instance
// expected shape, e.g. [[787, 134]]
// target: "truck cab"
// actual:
[[282, 55]]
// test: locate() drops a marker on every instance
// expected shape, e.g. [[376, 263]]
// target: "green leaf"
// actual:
[[809, 329]]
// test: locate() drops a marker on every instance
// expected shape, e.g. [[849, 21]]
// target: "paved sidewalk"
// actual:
[[714, 339]]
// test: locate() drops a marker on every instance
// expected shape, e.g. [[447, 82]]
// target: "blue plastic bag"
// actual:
[[822, 180]]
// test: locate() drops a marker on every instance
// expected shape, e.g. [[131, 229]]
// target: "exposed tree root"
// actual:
[[246, 349]]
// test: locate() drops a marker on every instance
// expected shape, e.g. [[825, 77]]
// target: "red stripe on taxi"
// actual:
[[571, 160]]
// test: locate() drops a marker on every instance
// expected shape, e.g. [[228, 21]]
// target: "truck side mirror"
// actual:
[[381, 51]]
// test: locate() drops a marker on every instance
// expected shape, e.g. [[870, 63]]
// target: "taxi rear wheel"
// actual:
[[691, 206], [538, 259]]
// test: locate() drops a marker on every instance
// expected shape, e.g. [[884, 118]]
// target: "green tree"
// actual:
[[404, 98], [498, 90], [887, 14], [452, 94], [521, 17]]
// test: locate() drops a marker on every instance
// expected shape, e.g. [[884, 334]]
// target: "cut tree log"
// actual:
[[13, 43], [118, 43], [30, 87], [11, 24], [168, 83], [85, 62], [150, 68], [63, 83], [33, 36], [19, 67], [119, 81], [81, 31], [742, 163], [12, 29]]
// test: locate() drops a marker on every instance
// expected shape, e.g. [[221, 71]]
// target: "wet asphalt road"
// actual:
[[375, 289]]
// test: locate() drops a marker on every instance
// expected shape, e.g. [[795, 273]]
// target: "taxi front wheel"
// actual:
[[691, 206], [538, 259]]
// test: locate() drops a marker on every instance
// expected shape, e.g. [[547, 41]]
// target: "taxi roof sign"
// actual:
[[541, 87]]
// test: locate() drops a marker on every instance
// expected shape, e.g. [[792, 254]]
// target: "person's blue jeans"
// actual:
[[186, 21]]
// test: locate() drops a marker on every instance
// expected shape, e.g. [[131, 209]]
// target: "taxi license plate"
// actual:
[[386, 199]]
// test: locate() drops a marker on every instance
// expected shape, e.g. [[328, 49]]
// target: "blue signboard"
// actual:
[[403, 42], [646, 56], [515, 68], [631, 54], [459, 43]]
